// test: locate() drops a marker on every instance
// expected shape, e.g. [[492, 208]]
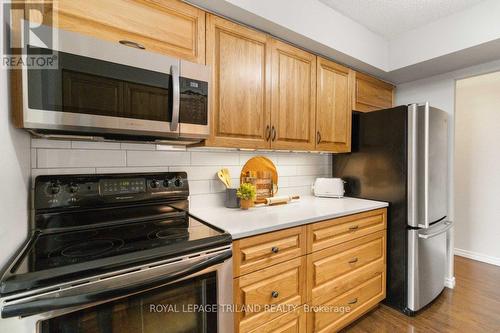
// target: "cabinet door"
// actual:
[[372, 94], [333, 107], [293, 97], [282, 286], [165, 26], [291, 322], [240, 60]]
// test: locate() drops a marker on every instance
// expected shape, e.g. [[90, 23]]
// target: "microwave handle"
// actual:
[[176, 93]]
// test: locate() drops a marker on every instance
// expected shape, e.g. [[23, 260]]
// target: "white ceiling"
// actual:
[[390, 18]]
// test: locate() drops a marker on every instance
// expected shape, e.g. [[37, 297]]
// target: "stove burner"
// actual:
[[170, 233], [91, 248]]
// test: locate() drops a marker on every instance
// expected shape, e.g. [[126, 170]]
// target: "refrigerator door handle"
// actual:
[[446, 226]]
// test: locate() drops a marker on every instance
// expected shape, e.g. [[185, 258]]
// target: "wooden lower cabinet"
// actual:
[[332, 232], [337, 313], [341, 276], [281, 286], [254, 253], [291, 322]]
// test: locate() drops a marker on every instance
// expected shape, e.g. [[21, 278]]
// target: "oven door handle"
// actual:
[[47, 304]]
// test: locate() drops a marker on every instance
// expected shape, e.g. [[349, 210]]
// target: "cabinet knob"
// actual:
[[354, 301], [275, 249], [353, 227], [132, 44], [275, 294], [353, 260], [318, 137]]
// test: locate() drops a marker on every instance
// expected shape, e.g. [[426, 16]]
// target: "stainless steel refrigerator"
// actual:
[[400, 155]]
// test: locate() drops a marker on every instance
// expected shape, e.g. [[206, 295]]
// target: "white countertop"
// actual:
[[240, 223]]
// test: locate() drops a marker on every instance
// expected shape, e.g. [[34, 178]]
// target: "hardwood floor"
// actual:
[[473, 306]]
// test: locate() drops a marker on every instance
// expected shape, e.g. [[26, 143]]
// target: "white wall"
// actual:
[[14, 176], [477, 171], [467, 28], [440, 92]]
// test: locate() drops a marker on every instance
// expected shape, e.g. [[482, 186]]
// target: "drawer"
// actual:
[[261, 251], [281, 286], [335, 270], [291, 322], [332, 232], [335, 314]]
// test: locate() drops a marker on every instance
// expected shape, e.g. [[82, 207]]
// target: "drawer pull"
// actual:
[[353, 227], [353, 260], [132, 44], [275, 249], [354, 301], [275, 294]]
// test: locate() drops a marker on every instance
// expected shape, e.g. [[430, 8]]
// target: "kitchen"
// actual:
[[119, 156]]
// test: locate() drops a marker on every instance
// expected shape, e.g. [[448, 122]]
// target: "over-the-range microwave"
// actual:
[[103, 89]]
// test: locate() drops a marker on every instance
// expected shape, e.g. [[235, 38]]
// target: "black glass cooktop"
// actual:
[[57, 256], [87, 225]]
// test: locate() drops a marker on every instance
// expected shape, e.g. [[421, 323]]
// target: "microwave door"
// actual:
[[101, 87]]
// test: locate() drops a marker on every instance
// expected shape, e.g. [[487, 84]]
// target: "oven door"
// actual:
[[186, 295], [101, 88]]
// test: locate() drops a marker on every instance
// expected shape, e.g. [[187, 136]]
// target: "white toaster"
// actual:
[[329, 187]]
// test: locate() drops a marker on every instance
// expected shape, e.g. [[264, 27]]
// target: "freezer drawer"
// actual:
[[426, 264]]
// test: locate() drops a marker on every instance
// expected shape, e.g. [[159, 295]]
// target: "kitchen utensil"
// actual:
[[274, 201], [227, 176], [223, 179], [329, 187]]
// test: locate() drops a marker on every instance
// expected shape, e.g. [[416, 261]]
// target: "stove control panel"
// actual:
[[67, 191]]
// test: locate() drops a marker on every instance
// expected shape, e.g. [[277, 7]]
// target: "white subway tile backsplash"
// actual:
[[94, 145], [45, 143], [157, 158], [314, 169], [286, 170], [137, 146], [296, 171], [170, 148], [245, 156], [132, 169], [33, 158], [199, 187], [214, 158], [76, 158], [198, 172], [216, 186], [62, 171]]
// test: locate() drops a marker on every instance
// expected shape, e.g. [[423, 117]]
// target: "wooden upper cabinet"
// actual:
[[293, 97], [372, 94], [240, 59], [333, 106], [164, 26]]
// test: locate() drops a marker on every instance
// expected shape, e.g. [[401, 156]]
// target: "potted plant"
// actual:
[[246, 192]]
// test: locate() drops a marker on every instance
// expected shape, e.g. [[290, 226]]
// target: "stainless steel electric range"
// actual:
[[117, 253]]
